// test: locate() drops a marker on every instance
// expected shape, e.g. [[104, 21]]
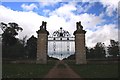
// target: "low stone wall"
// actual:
[[89, 61], [102, 61], [21, 61]]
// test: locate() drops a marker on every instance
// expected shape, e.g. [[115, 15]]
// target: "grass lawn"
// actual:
[[96, 70], [26, 70]]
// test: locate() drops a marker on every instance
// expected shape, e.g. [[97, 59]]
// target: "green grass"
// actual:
[[26, 70], [40, 70], [96, 70]]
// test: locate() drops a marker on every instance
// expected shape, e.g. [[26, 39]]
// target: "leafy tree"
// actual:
[[11, 46], [99, 50], [90, 53], [16, 51], [113, 49], [31, 47], [10, 30]]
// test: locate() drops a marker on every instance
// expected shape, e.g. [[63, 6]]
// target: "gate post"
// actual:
[[80, 50], [42, 44]]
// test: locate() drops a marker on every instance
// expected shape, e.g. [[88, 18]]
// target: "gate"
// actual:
[[61, 44]]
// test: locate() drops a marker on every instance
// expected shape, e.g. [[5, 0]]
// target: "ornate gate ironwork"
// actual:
[[61, 44]]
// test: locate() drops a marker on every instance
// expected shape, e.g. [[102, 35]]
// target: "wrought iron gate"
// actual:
[[61, 45]]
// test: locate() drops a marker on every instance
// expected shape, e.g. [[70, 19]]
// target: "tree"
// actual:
[[11, 46], [90, 53], [113, 48], [31, 47], [10, 30], [99, 50]]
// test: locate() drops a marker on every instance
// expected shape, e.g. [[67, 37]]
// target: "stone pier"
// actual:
[[42, 44], [80, 50]]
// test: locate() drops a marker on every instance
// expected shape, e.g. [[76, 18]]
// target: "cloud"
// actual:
[[110, 5], [46, 12], [90, 22], [29, 21], [61, 17], [64, 10], [103, 34], [84, 7], [29, 7], [48, 2]]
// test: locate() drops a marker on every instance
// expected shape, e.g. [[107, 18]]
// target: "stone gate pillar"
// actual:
[[42, 44], [80, 50]]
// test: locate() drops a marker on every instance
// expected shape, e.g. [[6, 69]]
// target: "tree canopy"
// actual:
[[10, 30], [113, 48]]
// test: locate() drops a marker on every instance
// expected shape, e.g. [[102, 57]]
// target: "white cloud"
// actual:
[[55, 22], [29, 21], [48, 2], [29, 7], [103, 34], [64, 17], [64, 10], [111, 5], [89, 21], [61, 17]]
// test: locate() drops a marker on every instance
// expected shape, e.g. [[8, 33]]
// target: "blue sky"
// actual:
[[99, 19], [96, 8]]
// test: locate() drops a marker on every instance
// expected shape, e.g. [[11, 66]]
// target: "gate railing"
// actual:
[[61, 44], [61, 39]]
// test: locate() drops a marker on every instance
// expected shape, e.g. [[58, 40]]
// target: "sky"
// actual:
[[98, 17]]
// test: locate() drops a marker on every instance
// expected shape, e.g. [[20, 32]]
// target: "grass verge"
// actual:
[[95, 70], [26, 70]]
